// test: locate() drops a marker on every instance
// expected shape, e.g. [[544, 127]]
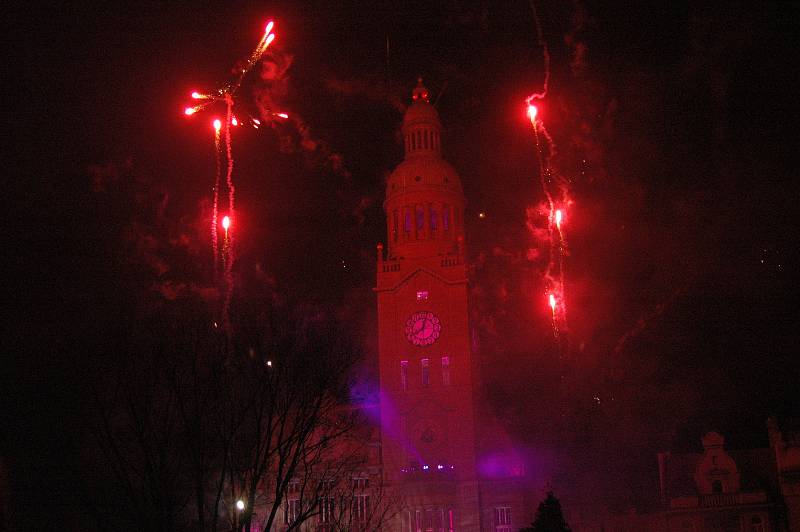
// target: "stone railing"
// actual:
[[391, 267], [450, 261], [717, 500]]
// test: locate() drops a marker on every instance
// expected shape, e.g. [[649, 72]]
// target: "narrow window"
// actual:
[[502, 519], [292, 509], [407, 221], [420, 218], [326, 505], [422, 295], [446, 371], [360, 510], [419, 139], [446, 217], [425, 139], [434, 219], [394, 225], [451, 521], [426, 372], [404, 374]]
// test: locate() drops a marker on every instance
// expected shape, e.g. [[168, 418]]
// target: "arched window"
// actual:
[[434, 219], [420, 216]]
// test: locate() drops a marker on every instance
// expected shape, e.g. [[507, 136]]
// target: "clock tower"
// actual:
[[427, 420]]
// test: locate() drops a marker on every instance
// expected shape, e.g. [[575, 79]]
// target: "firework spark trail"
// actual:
[[555, 273], [226, 94], [545, 55], [553, 225], [231, 205], [215, 208]]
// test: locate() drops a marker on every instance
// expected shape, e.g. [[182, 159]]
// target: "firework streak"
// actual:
[[227, 94]]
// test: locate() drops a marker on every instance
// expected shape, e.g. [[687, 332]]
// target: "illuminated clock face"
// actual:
[[423, 328]]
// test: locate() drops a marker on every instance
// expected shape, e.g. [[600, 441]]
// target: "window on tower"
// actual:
[[502, 519], [426, 371], [446, 371], [446, 217], [404, 374], [292, 507], [394, 225], [420, 213], [434, 219], [407, 222]]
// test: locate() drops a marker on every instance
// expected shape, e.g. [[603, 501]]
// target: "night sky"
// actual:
[[676, 126]]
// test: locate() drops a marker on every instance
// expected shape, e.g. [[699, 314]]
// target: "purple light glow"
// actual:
[[501, 466]]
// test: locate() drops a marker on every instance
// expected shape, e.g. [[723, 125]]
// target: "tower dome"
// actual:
[[424, 202]]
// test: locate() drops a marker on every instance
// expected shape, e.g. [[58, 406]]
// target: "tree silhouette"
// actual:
[[549, 517]]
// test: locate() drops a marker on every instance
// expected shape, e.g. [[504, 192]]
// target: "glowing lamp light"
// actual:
[[558, 219], [234, 121], [282, 115], [240, 504], [532, 111], [270, 38], [256, 121], [270, 25], [425, 467], [226, 223], [269, 363], [197, 96], [217, 124], [189, 111], [552, 302]]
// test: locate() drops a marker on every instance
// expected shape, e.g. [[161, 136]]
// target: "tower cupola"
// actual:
[[424, 200], [421, 125]]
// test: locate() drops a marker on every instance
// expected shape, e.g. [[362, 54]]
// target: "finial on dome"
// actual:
[[420, 92]]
